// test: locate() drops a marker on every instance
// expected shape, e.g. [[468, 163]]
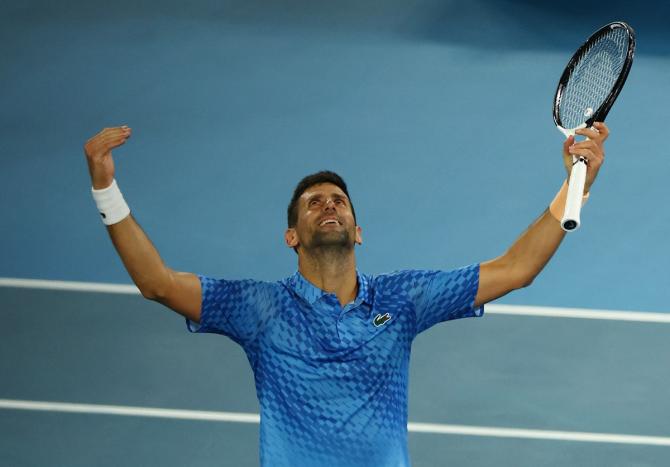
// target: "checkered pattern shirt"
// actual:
[[331, 380]]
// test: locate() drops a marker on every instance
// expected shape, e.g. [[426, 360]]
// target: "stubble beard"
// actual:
[[331, 243]]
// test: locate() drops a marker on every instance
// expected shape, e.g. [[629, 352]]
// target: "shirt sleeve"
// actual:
[[444, 295], [231, 308]]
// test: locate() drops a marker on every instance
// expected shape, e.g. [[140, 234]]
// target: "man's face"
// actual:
[[325, 220]]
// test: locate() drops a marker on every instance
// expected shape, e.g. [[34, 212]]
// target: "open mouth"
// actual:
[[329, 222]]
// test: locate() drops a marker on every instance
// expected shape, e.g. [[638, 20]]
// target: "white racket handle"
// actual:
[[573, 203]]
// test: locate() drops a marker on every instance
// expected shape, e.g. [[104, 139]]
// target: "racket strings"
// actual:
[[593, 77]]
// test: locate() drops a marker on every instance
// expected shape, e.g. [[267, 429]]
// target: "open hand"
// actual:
[[98, 152]]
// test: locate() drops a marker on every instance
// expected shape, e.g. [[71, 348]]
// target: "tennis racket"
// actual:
[[586, 92]]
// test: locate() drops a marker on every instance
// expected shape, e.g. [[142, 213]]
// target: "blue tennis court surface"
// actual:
[[581, 377]]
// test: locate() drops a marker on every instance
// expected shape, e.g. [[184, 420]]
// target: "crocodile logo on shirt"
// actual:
[[380, 319]]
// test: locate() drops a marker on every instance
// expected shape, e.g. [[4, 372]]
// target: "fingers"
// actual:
[[106, 133], [598, 131], [586, 154], [112, 140], [566, 145], [106, 140], [589, 150], [116, 134]]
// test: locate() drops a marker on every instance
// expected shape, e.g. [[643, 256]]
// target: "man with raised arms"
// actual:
[[329, 345]]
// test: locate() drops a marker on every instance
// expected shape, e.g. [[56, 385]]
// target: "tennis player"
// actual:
[[329, 345]]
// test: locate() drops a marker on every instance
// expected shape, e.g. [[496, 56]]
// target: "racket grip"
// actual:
[[573, 203]]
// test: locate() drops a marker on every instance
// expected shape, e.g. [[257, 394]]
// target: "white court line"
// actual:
[[552, 435], [492, 308], [583, 313], [127, 289], [435, 428], [130, 411]]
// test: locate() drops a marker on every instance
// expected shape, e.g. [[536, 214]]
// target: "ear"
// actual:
[[291, 238], [359, 235]]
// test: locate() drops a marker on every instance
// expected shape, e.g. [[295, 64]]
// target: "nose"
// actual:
[[330, 204]]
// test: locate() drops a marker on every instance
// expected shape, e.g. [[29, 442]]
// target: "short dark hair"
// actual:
[[324, 176]]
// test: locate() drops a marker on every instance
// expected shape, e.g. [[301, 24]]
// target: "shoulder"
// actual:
[[401, 282], [406, 275], [241, 289], [411, 280], [402, 276]]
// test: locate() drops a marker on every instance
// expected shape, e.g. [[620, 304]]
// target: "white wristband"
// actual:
[[111, 205]]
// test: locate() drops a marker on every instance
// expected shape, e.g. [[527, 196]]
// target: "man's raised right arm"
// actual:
[[177, 290]]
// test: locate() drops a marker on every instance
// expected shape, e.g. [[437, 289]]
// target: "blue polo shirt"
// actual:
[[332, 381]]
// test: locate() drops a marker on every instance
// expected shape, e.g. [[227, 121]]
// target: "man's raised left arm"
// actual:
[[524, 260]]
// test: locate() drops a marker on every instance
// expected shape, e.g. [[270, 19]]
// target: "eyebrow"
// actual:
[[321, 195]]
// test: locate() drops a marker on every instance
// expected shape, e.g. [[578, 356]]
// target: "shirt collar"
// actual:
[[311, 293]]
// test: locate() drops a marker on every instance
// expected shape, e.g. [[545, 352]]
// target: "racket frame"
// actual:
[[571, 217]]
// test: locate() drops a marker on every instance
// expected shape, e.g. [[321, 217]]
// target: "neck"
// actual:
[[333, 271]]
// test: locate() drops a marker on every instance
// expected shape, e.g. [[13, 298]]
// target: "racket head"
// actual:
[[594, 77]]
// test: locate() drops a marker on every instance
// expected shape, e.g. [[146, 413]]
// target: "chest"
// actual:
[[324, 340]]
